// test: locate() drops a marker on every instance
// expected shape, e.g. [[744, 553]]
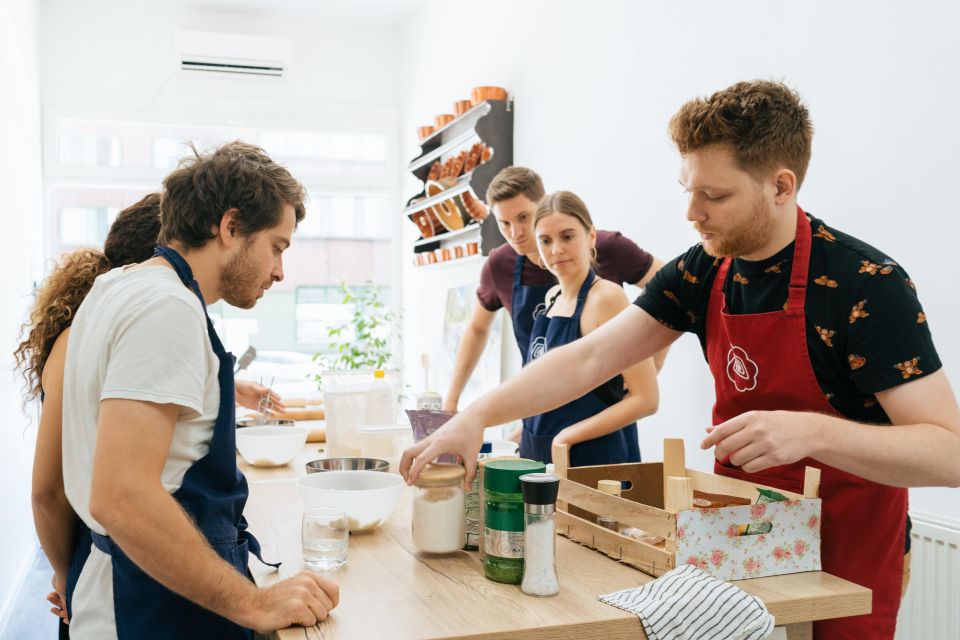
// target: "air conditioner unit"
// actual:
[[231, 53]]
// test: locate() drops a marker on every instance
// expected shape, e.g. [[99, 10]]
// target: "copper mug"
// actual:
[[473, 248], [445, 255], [458, 251], [431, 257], [460, 107], [442, 120]]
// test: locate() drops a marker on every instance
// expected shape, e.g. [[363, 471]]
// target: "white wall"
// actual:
[[123, 57], [596, 83], [20, 209]]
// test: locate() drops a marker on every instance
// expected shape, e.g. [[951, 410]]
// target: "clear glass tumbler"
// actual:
[[325, 535]]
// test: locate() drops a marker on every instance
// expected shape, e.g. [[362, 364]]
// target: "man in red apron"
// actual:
[[819, 348]]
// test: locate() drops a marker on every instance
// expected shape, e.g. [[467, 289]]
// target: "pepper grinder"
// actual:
[[539, 538]]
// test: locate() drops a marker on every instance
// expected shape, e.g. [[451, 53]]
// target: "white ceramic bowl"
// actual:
[[270, 446], [368, 497]]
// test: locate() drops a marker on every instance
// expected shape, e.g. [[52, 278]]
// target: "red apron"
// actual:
[[760, 362]]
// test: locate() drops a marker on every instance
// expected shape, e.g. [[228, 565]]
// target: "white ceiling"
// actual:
[[379, 12]]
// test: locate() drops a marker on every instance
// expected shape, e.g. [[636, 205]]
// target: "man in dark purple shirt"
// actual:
[[512, 278]]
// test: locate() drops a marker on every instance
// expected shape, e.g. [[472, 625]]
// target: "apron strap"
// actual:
[[216, 534]]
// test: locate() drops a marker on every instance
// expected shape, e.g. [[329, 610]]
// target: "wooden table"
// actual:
[[389, 590]]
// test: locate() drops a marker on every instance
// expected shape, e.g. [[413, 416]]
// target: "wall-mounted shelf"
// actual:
[[489, 123], [466, 234], [456, 262]]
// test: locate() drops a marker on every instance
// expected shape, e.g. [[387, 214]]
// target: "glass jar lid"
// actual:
[[442, 474]]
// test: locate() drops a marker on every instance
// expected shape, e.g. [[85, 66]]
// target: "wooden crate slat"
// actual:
[[732, 487], [656, 521], [647, 558]]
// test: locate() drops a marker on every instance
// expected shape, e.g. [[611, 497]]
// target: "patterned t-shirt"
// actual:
[[866, 330]]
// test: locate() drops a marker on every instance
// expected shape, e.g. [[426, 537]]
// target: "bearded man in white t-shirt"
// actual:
[[148, 429]]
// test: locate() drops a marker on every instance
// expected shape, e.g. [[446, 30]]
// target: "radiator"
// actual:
[[931, 608]]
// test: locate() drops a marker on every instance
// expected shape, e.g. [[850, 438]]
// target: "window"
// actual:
[[94, 167]]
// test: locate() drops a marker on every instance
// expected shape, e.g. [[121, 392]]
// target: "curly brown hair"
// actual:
[[765, 124], [131, 239], [237, 176]]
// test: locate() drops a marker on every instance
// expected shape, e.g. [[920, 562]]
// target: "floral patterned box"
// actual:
[[712, 539], [654, 526]]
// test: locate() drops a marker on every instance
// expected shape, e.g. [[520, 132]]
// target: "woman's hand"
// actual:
[[249, 395], [58, 598], [566, 436]]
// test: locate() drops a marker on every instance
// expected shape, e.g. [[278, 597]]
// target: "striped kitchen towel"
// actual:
[[690, 604]]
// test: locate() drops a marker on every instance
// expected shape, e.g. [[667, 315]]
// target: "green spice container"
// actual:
[[503, 518]]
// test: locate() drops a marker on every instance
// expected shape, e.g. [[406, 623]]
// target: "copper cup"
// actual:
[[481, 94], [473, 248], [445, 255], [431, 257], [425, 132], [458, 251], [443, 120], [460, 107]]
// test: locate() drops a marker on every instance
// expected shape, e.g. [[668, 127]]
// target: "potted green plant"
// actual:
[[364, 342]]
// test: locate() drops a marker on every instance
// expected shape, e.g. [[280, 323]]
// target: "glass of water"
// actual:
[[324, 536]]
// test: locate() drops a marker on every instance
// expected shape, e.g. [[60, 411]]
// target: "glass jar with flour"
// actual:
[[438, 508]]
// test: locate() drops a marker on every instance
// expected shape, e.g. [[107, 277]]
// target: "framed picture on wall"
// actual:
[[457, 313]]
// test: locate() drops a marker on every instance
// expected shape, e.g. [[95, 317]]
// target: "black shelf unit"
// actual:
[[489, 122]]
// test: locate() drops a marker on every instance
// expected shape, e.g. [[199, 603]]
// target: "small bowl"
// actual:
[[347, 464], [482, 94], [272, 446], [264, 422], [368, 497], [425, 132], [442, 120], [460, 107]]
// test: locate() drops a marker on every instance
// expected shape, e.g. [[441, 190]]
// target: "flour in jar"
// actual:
[[438, 519]]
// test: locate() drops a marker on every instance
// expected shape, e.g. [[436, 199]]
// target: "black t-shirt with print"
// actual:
[[866, 330]]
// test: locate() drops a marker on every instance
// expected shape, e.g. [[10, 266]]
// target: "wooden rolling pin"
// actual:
[[302, 403], [300, 414]]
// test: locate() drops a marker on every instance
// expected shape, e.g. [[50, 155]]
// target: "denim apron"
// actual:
[[213, 493], [538, 431], [527, 301]]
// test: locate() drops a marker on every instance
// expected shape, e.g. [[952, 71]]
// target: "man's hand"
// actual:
[[462, 435], [758, 440], [304, 599], [249, 395]]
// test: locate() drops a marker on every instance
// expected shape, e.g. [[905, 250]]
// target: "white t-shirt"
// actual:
[[139, 335]]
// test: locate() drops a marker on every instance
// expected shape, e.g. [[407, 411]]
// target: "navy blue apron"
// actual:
[[538, 431], [527, 301], [213, 493]]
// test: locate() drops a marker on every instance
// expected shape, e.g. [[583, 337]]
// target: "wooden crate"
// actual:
[[658, 495]]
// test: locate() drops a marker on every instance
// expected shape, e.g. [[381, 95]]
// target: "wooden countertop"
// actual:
[[389, 590]]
